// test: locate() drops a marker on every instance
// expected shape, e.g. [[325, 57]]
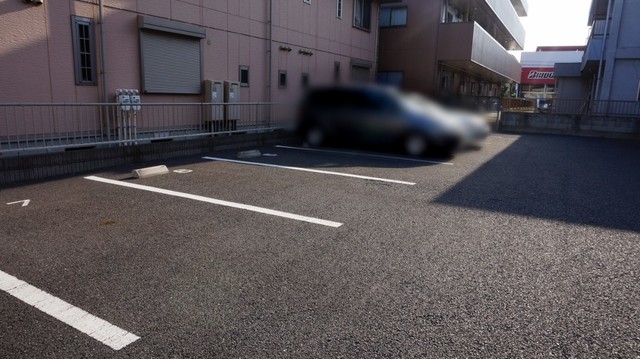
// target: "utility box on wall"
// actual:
[[213, 94], [214, 110], [232, 99]]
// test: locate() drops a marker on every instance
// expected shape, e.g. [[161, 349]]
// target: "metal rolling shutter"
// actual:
[[170, 63]]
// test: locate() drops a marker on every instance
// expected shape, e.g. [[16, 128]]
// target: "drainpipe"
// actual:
[[103, 60], [605, 36], [376, 50], [270, 58]]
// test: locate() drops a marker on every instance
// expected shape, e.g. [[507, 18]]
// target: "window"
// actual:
[[391, 78], [305, 80], [359, 73], [336, 71], [445, 83], [393, 16], [282, 79], [638, 95], [83, 50], [339, 9], [170, 56], [244, 76], [451, 14], [362, 14], [360, 70]]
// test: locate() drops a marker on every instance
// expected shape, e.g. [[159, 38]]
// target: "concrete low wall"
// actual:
[[19, 169], [594, 126]]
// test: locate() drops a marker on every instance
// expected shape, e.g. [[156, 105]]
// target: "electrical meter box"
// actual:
[[124, 99], [135, 100]]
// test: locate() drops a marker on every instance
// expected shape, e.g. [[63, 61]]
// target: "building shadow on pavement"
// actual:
[[584, 181]]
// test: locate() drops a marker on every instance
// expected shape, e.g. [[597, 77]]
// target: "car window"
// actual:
[[327, 99], [384, 102]]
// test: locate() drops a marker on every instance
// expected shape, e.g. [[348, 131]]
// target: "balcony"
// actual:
[[521, 6], [592, 54], [598, 10], [498, 17], [468, 47]]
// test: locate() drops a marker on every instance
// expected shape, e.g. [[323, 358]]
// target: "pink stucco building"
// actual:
[[79, 51]]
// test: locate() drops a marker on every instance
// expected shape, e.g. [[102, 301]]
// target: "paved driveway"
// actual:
[[528, 247]]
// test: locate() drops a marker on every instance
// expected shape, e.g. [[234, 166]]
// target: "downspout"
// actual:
[[270, 57], [376, 52], [103, 73], [437, 73], [605, 36]]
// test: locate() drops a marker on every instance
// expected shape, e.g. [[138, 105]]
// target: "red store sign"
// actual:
[[537, 76]]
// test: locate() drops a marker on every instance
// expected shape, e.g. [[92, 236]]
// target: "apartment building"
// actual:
[[610, 67], [81, 51], [451, 47]]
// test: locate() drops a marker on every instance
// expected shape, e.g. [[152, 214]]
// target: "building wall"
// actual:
[[621, 76], [36, 61], [418, 49], [544, 61], [412, 49], [549, 58], [572, 88], [36, 52], [625, 80]]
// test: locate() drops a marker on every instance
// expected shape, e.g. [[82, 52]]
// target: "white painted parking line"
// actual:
[[311, 170], [365, 155], [97, 328], [218, 202], [25, 202]]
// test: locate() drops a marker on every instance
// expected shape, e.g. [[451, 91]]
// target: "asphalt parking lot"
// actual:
[[528, 247]]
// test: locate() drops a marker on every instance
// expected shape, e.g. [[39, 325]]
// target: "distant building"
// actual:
[[451, 47], [538, 75], [610, 67], [53, 50]]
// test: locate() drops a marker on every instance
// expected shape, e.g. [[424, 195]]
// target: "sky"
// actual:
[[556, 22]]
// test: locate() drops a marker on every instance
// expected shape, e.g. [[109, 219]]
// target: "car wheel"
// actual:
[[415, 145], [315, 136]]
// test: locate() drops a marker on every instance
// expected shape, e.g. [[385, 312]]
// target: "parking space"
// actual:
[[527, 246]]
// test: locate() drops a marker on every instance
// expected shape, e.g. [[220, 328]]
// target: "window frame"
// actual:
[[281, 84], [242, 68], [77, 21], [391, 10], [364, 4]]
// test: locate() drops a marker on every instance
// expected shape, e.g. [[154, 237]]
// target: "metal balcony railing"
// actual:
[[598, 29]]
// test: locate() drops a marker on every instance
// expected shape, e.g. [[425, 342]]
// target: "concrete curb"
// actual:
[[21, 169], [574, 125]]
